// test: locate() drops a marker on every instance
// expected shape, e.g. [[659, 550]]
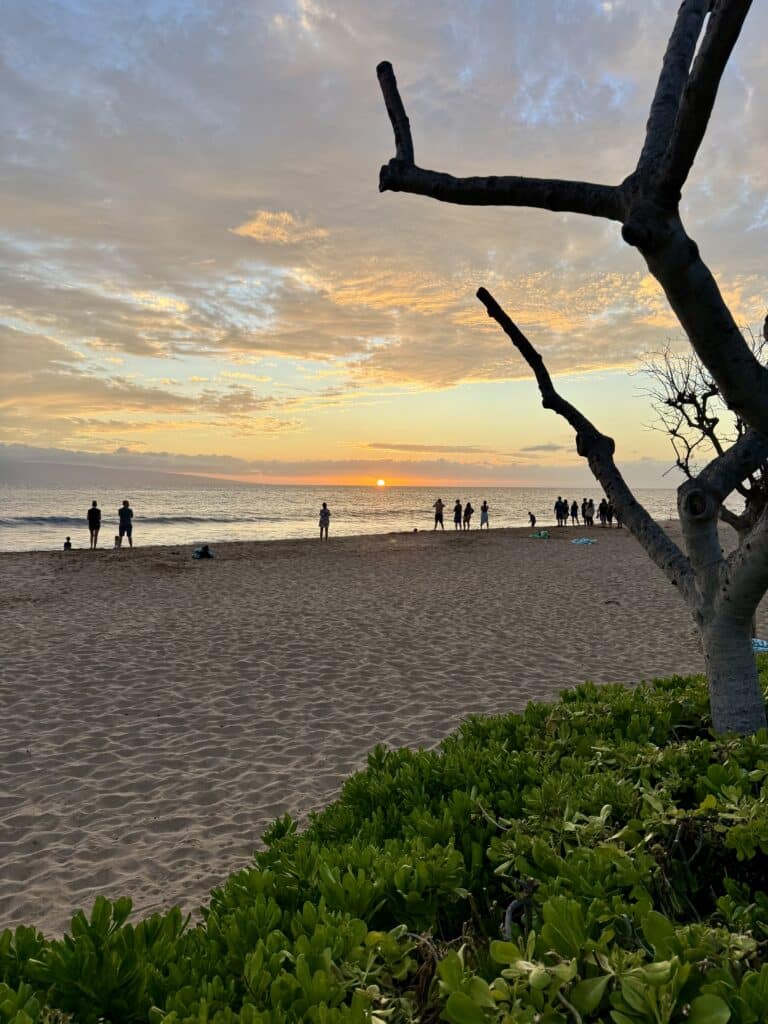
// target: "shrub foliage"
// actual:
[[599, 859]]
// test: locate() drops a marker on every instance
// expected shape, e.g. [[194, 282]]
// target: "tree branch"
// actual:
[[698, 98], [744, 574], [401, 126], [598, 449], [727, 471], [675, 69], [402, 175]]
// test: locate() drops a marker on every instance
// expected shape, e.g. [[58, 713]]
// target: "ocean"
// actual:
[[39, 519]]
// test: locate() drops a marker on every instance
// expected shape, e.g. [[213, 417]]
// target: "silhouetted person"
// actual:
[[559, 510], [67, 544], [438, 507], [609, 513], [325, 519], [468, 510], [484, 510], [457, 515], [584, 512], [94, 523], [574, 513], [532, 520], [591, 511], [602, 511], [125, 527]]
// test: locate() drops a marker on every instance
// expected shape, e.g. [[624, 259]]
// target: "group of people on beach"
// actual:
[[462, 515], [93, 518], [564, 510]]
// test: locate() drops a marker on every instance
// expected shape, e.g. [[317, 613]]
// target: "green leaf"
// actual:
[[505, 952], [660, 932], [708, 1009], [587, 994], [461, 1010]]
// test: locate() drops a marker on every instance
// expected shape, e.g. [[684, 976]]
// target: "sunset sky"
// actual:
[[198, 273]]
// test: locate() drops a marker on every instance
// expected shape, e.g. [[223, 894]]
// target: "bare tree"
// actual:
[[721, 592], [690, 410]]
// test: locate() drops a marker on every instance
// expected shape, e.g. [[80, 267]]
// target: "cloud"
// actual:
[[454, 449], [184, 200], [436, 472], [279, 228]]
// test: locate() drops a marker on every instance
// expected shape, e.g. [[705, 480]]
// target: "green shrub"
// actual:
[[598, 859]]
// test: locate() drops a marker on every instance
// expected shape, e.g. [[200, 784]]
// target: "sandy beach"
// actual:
[[157, 713]]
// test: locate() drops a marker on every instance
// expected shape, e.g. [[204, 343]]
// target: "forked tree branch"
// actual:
[[698, 98], [675, 69], [598, 449], [402, 175]]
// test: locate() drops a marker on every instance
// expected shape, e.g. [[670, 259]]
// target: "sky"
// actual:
[[198, 273]]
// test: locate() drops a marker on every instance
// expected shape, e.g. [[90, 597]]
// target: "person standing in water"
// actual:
[[438, 507], [484, 510], [325, 519], [94, 524], [468, 511], [125, 529]]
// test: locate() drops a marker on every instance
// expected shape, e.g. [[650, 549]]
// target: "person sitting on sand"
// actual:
[[457, 515], [484, 510], [125, 529], [532, 519], [67, 544], [94, 523], [438, 507], [468, 510], [325, 519]]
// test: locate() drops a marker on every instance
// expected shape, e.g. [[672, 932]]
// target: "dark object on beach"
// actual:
[[67, 544], [203, 552]]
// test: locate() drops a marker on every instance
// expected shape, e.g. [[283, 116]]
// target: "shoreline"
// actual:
[[554, 531], [158, 713]]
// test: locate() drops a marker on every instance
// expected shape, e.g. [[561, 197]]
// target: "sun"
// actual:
[[381, 483]]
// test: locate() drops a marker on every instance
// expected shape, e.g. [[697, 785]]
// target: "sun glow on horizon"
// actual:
[[381, 483]]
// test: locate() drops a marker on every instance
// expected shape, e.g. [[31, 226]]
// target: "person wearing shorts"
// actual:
[[438, 507], [125, 516]]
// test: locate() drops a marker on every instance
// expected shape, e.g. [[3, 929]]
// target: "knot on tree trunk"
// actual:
[[696, 504]]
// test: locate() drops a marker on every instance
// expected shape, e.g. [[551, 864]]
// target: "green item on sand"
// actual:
[[540, 535]]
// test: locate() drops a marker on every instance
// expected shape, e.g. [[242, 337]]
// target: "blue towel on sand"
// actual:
[[760, 645], [583, 540]]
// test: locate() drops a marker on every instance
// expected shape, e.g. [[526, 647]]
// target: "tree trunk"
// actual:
[[734, 690]]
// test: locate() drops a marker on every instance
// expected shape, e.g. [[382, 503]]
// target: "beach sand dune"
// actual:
[[156, 713]]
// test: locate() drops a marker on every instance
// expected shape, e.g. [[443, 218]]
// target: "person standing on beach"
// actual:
[[67, 544], [438, 507], [94, 523], [532, 520], [484, 510], [575, 512], [457, 515], [125, 529], [468, 510], [584, 512], [591, 512], [560, 513], [325, 519]]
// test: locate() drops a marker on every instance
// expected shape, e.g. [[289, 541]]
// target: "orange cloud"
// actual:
[[279, 228]]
